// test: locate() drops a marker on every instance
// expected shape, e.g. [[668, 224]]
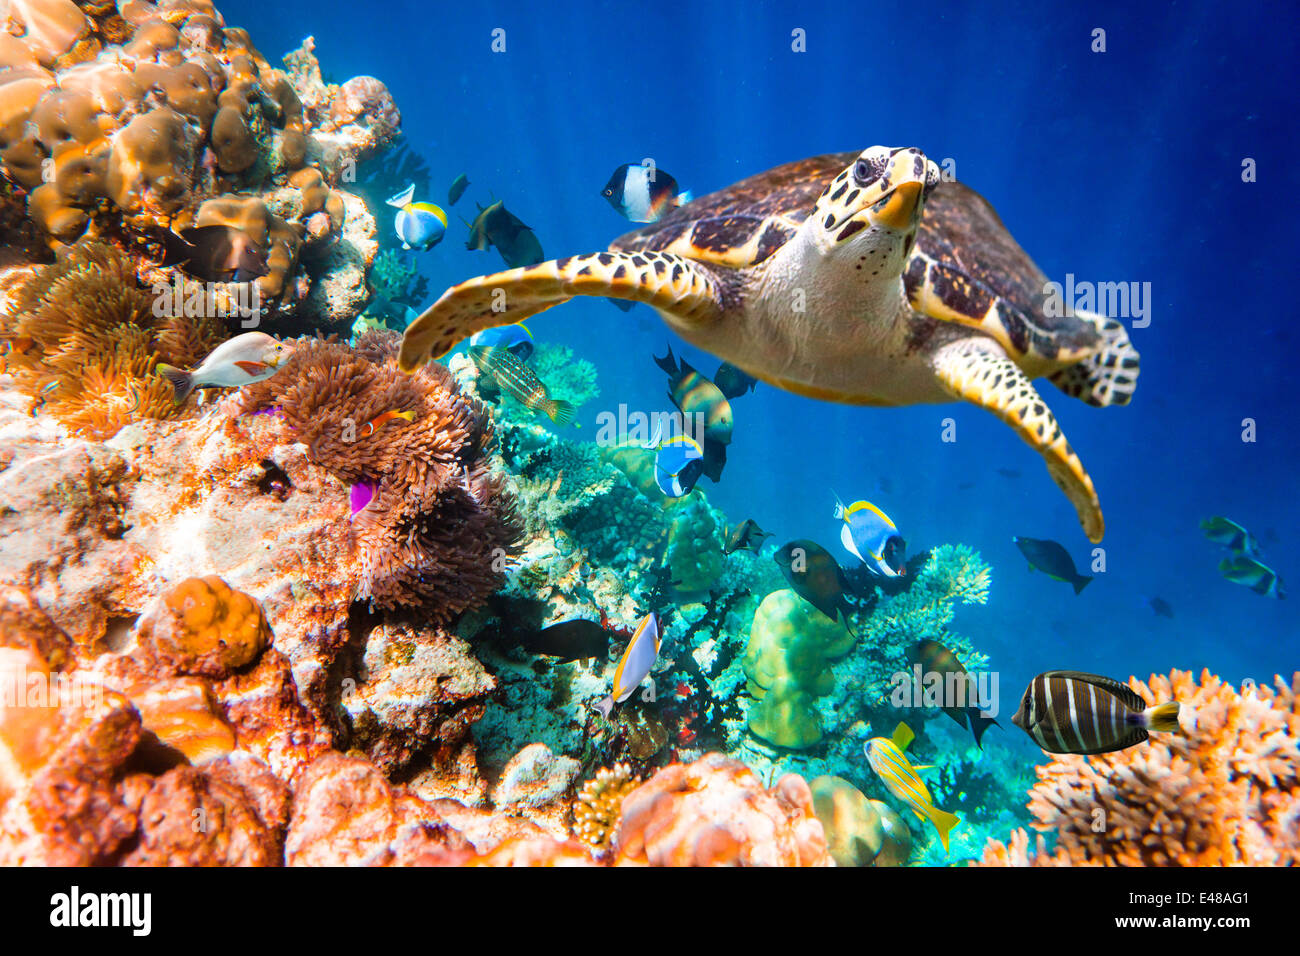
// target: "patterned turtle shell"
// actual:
[[964, 267]]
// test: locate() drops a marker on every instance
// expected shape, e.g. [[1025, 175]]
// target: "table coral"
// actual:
[[716, 812], [1226, 793]]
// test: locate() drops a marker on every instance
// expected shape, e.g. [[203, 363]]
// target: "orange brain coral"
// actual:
[[1227, 794], [203, 626], [716, 812]]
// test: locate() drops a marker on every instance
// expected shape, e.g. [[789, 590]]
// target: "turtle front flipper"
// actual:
[[979, 371], [691, 291]]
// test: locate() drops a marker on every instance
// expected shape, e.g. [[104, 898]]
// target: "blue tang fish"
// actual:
[[870, 535], [678, 465], [420, 225], [638, 659], [515, 337]]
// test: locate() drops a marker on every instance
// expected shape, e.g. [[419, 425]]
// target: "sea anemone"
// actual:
[[84, 342], [437, 525]]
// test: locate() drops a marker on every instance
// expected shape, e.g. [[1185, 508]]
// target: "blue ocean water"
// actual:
[[1123, 165]]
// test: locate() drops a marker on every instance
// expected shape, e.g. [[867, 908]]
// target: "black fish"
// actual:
[[458, 187], [215, 254], [1008, 473], [569, 640], [732, 382], [1161, 607], [817, 577], [1053, 560], [497, 226], [935, 658], [747, 535], [643, 193], [1069, 712]]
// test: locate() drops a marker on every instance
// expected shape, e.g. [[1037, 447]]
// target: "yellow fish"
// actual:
[[886, 758]]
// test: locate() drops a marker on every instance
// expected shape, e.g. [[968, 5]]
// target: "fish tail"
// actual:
[[560, 412], [180, 380], [943, 822], [1080, 583], [668, 363], [980, 724], [683, 198], [1164, 718], [176, 249], [408, 415]]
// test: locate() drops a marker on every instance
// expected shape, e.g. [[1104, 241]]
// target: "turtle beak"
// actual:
[[900, 209]]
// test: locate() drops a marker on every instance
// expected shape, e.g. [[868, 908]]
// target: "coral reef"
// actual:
[[120, 126], [716, 812], [1225, 793], [438, 526], [787, 661], [854, 834], [599, 806], [84, 340]]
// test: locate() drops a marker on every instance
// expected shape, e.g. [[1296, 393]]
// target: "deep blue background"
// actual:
[[1115, 166]]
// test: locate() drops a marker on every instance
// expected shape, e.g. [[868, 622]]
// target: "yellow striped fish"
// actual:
[[520, 381], [886, 758]]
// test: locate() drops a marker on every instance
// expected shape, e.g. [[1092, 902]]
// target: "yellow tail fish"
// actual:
[[886, 758]]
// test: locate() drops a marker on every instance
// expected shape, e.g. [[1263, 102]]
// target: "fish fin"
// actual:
[[943, 822], [252, 368], [1164, 718], [903, 735], [1131, 698], [1109, 377], [176, 249], [684, 197], [839, 505], [402, 198], [180, 380], [980, 724], [979, 371], [560, 412], [1080, 583], [924, 766], [690, 291], [667, 362]]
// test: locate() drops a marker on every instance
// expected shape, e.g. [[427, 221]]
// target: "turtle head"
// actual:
[[871, 210]]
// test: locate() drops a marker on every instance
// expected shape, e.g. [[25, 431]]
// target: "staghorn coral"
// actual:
[[1227, 793], [439, 523], [85, 339], [716, 812], [599, 805]]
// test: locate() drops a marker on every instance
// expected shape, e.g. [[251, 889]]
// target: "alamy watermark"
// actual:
[[646, 429], [921, 688], [241, 300], [1114, 300]]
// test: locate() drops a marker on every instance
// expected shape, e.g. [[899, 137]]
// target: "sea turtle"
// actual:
[[858, 278]]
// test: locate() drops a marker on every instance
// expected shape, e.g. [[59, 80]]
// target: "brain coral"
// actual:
[[1226, 794], [439, 523], [716, 812]]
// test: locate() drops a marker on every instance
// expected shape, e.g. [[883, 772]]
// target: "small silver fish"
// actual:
[[246, 358]]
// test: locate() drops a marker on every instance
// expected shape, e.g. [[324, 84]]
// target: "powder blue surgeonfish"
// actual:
[[420, 225], [515, 337], [870, 535], [678, 465], [638, 659]]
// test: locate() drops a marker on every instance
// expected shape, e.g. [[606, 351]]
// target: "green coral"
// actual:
[[788, 666], [696, 537], [567, 377]]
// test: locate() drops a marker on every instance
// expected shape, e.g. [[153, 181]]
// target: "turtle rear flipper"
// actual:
[[978, 371], [1110, 376], [691, 292]]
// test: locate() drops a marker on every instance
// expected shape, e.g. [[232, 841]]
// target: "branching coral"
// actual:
[[439, 523], [568, 377], [85, 339], [600, 804], [1227, 793]]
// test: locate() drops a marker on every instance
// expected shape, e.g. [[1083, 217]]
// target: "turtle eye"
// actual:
[[862, 172]]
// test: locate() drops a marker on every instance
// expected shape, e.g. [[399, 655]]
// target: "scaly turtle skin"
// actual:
[[856, 278]]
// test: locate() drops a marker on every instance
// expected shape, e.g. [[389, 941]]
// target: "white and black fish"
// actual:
[[643, 193], [1069, 712], [246, 358]]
